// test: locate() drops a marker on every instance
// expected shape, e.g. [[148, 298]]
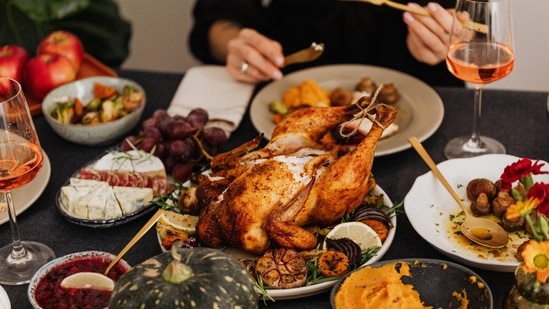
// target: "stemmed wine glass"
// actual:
[[20, 161], [480, 52]]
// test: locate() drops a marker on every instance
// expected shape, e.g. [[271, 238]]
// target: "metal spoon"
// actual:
[[305, 55], [101, 281], [482, 231]]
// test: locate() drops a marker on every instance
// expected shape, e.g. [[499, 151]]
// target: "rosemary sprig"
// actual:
[[170, 201]]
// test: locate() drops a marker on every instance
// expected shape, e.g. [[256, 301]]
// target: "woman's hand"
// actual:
[[252, 57], [428, 37]]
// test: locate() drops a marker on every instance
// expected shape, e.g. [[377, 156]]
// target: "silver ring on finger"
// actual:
[[244, 67]]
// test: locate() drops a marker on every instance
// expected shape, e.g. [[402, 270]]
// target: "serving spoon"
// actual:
[[482, 231], [99, 281], [422, 11], [305, 55]]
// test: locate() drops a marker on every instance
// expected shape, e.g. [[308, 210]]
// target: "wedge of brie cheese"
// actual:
[[133, 161], [117, 185], [97, 200], [132, 199]]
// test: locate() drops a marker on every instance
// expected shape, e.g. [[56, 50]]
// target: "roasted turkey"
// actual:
[[256, 199]]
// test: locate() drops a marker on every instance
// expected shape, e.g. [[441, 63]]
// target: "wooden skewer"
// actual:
[[136, 238]]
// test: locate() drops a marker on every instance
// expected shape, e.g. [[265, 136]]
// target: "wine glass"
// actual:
[[480, 52], [20, 161]]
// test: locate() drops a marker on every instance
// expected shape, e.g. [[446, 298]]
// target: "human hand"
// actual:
[[252, 57], [428, 37]]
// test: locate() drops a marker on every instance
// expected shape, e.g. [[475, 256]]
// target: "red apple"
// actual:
[[63, 43], [12, 60], [45, 72]]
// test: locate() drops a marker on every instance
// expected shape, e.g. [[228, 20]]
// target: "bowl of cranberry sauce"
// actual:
[[45, 290]]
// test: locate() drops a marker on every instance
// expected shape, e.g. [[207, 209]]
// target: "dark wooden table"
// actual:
[[518, 119]]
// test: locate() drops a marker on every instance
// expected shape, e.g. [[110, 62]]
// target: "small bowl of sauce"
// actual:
[[45, 290]]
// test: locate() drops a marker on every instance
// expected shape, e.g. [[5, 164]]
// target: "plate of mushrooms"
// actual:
[[436, 217]]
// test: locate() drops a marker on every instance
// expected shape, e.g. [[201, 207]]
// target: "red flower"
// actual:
[[518, 170], [541, 192]]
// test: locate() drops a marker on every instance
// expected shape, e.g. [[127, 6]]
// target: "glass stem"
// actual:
[[474, 140], [18, 251]]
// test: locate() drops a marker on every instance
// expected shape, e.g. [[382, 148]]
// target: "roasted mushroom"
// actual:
[[389, 94], [366, 85], [481, 185], [501, 202], [513, 225], [481, 205], [341, 97]]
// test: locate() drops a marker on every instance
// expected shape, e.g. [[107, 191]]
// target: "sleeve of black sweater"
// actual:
[[247, 13]]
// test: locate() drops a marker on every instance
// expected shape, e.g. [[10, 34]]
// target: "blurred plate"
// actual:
[[25, 196], [420, 108], [430, 209], [281, 294], [436, 281], [4, 299], [99, 223]]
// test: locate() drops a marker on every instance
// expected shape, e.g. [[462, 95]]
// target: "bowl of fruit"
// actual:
[[94, 110]]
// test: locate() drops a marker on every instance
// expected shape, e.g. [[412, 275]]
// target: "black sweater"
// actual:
[[353, 32]]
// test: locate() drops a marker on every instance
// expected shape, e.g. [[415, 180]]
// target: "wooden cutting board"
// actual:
[[90, 67]]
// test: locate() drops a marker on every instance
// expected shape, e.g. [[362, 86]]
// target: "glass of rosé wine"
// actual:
[[480, 52], [20, 160]]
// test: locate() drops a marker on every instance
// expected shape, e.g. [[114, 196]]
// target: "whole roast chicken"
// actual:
[[256, 199]]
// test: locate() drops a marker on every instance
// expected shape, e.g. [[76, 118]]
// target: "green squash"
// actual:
[[186, 278]]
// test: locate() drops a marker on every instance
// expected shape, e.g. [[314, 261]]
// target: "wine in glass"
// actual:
[[20, 161], [480, 52]]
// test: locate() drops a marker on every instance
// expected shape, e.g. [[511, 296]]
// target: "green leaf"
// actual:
[[44, 11]]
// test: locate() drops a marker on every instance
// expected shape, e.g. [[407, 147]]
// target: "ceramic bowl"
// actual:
[[46, 281], [101, 134], [440, 284]]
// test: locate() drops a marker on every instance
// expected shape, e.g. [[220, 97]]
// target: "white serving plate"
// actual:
[[324, 286], [430, 209], [420, 108]]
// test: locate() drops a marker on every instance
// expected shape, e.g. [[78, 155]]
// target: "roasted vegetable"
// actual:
[[282, 269], [333, 263], [378, 226], [103, 91], [501, 202], [347, 246], [105, 106], [365, 212], [341, 97], [481, 205], [186, 278], [64, 112], [389, 94], [307, 93], [278, 107], [481, 185]]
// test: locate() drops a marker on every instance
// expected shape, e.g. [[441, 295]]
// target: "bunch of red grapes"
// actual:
[[184, 144]]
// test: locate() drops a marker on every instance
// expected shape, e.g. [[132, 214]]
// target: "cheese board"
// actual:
[[114, 189]]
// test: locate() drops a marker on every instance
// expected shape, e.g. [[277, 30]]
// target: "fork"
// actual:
[[421, 11], [399, 6], [305, 55]]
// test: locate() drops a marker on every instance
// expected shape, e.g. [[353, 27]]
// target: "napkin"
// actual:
[[213, 89]]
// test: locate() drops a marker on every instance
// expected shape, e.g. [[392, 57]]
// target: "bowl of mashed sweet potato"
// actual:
[[411, 283]]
